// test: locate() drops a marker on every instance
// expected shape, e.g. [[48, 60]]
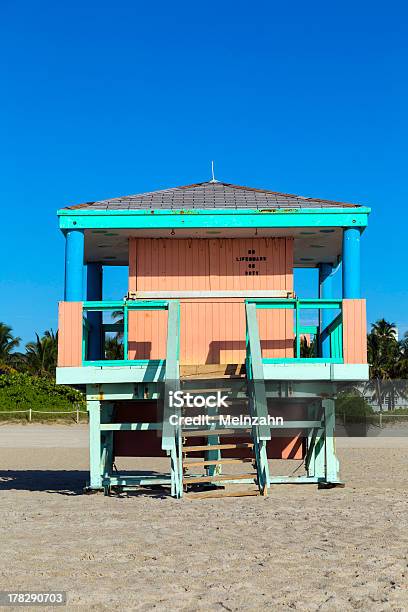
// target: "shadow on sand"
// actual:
[[64, 482]]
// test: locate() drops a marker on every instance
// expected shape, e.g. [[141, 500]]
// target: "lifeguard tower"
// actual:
[[211, 297]]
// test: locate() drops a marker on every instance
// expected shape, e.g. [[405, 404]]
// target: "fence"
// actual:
[[30, 412], [378, 419]]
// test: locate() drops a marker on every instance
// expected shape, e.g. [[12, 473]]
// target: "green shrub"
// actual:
[[21, 391], [354, 408]]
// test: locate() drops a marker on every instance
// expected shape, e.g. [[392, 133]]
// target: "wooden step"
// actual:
[[208, 447], [212, 494], [217, 478], [193, 463], [197, 433]]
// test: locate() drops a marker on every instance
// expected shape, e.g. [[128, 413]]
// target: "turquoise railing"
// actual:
[[170, 433], [257, 396], [124, 306], [334, 330]]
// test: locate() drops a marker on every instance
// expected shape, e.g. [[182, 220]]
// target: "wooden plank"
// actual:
[[218, 478], [192, 449], [192, 463], [215, 494], [213, 432]]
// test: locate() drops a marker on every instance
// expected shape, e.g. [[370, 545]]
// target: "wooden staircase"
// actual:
[[194, 484]]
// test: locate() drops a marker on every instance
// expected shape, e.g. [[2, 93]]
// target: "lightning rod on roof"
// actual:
[[213, 180]]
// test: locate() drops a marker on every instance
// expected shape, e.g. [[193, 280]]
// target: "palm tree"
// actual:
[[41, 355], [384, 330], [8, 343], [402, 365], [117, 316], [307, 349], [383, 357], [113, 348]]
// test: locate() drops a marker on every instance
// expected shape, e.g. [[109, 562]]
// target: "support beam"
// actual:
[[107, 457], [74, 264], [313, 412], [326, 316], [331, 461], [213, 455], [94, 293], [351, 262], [94, 409]]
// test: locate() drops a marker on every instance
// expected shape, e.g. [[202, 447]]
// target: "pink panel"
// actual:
[[276, 336], [211, 331], [69, 334], [293, 448], [147, 334], [132, 264], [354, 331], [163, 264]]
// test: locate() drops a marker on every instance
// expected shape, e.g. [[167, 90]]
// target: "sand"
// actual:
[[298, 549]]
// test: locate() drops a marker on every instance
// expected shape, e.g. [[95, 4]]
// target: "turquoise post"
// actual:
[[326, 315], [94, 409], [351, 262], [74, 264], [94, 293], [331, 463]]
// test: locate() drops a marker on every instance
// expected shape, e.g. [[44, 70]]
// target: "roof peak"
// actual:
[[211, 194]]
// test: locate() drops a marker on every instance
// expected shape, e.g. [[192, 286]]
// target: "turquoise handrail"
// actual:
[[334, 330]]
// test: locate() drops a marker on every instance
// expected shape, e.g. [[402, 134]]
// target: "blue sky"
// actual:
[[103, 99]]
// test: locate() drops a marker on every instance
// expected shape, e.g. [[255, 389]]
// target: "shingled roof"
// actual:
[[212, 194]]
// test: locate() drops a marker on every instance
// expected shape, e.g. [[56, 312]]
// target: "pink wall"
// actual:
[[69, 334], [354, 331], [212, 331]]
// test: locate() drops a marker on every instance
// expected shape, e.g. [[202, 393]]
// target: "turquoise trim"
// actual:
[[125, 332], [257, 396], [130, 426], [303, 480], [307, 329], [125, 362], [98, 307], [210, 218], [297, 333], [356, 210], [333, 332], [129, 482], [308, 360], [291, 303], [131, 305]]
